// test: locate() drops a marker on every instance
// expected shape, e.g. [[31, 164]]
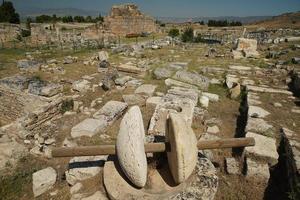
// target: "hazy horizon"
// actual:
[[171, 8]]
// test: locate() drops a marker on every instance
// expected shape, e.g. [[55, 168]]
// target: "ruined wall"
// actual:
[[126, 19]]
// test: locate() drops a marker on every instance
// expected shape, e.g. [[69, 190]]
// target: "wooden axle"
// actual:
[[150, 147]]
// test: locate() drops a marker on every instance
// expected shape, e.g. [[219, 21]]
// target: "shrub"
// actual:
[[188, 35], [174, 32]]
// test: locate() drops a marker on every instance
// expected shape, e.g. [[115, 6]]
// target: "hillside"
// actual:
[[287, 20]]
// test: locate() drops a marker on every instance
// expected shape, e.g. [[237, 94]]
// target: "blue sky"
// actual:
[[176, 8]]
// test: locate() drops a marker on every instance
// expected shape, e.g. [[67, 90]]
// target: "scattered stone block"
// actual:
[[258, 171], [81, 85], [103, 56], [265, 148], [89, 127], [192, 78], [204, 101], [134, 99], [111, 111], [43, 181], [232, 166], [146, 89], [212, 97], [122, 80], [231, 80], [258, 125], [213, 129], [257, 112], [82, 168], [153, 101], [162, 73], [171, 82]]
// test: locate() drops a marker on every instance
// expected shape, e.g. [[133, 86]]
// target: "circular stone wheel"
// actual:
[[182, 157]]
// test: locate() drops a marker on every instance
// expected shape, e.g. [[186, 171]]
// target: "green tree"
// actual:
[[79, 19], [174, 32], [67, 19], [188, 35], [28, 23], [89, 19], [8, 13]]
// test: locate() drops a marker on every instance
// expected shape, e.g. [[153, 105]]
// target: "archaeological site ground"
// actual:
[[128, 106]]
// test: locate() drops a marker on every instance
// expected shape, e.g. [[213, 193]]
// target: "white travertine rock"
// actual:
[[257, 112], [130, 147], [82, 168], [43, 180], [88, 127], [265, 147], [204, 101], [146, 89]]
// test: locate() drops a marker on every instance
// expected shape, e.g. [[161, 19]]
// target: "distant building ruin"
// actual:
[[127, 19]]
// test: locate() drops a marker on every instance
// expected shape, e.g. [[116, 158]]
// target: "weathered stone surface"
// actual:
[[10, 151], [153, 101], [213, 129], [182, 158], [267, 90], [111, 111], [246, 44], [171, 82], [15, 82], [76, 188], [235, 91], [162, 73], [82, 168], [130, 147], [212, 97], [192, 78], [238, 68], [177, 100], [265, 147], [231, 80], [146, 89], [89, 127], [237, 54], [81, 85], [43, 180], [204, 101], [96, 196], [232, 166], [134, 99], [257, 112], [35, 86], [123, 80], [258, 171], [258, 125], [103, 56], [51, 90], [202, 186], [29, 65]]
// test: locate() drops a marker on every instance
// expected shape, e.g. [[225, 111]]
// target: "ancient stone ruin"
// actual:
[[127, 19]]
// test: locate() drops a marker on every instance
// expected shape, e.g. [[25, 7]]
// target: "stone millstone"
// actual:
[[182, 157], [130, 147], [202, 185]]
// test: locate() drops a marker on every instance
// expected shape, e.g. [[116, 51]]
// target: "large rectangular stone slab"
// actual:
[[265, 148], [111, 110], [89, 127]]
